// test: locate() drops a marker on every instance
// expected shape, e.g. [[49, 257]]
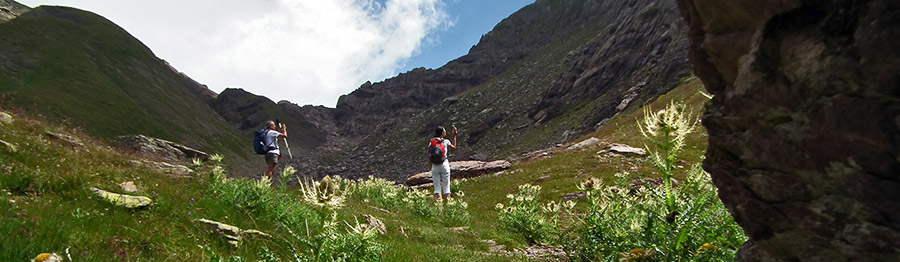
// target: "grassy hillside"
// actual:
[[45, 200], [75, 66]]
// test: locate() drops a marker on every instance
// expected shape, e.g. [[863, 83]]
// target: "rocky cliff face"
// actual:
[[386, 103], [804, 133]]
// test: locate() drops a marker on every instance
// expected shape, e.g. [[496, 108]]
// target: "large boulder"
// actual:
[[158, 149], [804, 123], [462, 169]]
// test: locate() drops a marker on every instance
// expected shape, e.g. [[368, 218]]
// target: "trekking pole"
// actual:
[[278, 123]]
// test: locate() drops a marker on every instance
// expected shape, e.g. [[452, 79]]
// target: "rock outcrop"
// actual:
[[159, 149], [803, 128], [462, 169], [10, 9]]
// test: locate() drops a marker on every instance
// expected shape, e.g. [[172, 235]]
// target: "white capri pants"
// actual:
[[440, 176]]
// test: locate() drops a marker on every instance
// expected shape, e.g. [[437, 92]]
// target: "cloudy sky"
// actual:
[[304, 51]]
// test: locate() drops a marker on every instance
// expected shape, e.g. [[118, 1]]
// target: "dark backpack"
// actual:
[[437, 154], [259, 142]]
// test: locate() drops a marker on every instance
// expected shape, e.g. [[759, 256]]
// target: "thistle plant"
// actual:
[[264, 183], [196, 163], [216, 159], [326, 193], [666, 130], [285, 176]]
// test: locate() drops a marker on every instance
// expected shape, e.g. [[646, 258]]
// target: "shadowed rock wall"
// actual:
[[804, 129]]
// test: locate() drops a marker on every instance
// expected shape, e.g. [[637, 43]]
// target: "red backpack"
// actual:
[[437, 154]]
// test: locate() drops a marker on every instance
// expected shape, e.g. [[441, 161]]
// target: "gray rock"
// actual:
[[6, 119], [462, 169], [158, 149], [586, 143], [122, 200], [232, 234], [616, 150], [802, 145], [68, 140]]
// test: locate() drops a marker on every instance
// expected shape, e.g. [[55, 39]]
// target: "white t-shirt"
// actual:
[[271, 140]]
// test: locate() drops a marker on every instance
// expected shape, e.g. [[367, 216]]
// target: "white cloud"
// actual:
[[311, 52], [304, 51]]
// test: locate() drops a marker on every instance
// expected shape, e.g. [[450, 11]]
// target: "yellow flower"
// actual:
[[707, 247]]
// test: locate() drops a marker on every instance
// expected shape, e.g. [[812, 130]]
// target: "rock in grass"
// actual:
[[616, 150], [9, 147], [6, 119], [232, 234], [586, 143], [69, 140], [122, 200]]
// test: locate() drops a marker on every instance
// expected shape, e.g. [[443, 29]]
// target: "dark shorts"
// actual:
[[272, 159]]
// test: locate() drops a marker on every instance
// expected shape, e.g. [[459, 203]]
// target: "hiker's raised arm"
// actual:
[[453, 144], [283, 131]]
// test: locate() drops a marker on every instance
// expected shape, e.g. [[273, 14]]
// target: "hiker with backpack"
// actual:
[[266, 143], [440, 166]]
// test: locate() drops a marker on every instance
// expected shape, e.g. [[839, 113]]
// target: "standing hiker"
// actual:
[[270, 139], [440, 166]]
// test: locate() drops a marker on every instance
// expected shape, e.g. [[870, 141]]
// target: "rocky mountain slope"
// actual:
[[606, 57], [76, 66]]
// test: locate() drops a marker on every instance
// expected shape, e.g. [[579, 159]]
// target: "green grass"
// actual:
[[44, 199]]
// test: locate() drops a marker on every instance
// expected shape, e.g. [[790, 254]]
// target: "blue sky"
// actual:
[[472, 19], [303, 51]]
